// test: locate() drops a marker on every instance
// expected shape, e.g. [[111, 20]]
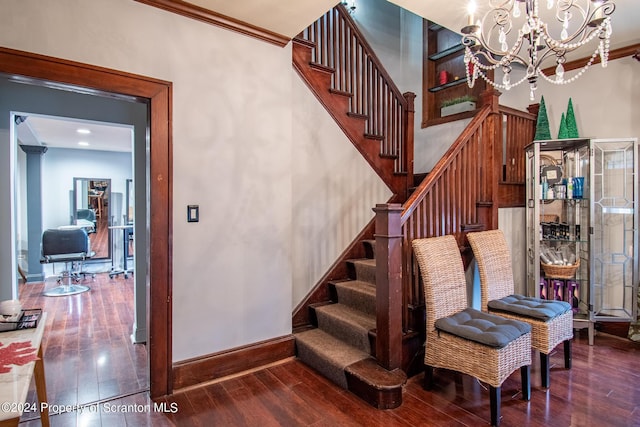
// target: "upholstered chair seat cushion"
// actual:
[[484, 328], [536, 308]]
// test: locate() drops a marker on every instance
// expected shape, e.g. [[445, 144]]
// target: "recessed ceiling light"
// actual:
[[83, 131], [83, 143]]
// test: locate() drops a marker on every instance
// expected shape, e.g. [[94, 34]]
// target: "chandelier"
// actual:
[[508, 36]]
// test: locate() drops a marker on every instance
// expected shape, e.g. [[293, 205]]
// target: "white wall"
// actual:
[[334, 191], [512, 222], [605, 100]]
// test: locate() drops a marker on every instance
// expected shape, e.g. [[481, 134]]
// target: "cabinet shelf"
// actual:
[[444, 53], [546, 239], [447, 85], [582, 199]]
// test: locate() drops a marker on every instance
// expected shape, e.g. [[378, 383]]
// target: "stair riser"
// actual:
[[356, 299], [362, 271], [330, 370]]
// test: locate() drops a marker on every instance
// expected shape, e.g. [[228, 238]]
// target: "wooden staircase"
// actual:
[[370, 347], [341, 69]]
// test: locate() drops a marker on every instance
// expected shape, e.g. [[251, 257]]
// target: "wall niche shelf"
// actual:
[[447, 85], [444, 74], [446, 52]]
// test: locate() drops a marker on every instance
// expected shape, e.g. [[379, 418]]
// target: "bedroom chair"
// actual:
[[459, 338], [551, 321], [67, 245]]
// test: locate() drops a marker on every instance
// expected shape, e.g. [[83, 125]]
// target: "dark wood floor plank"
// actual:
[[225, 412], [250, 404]]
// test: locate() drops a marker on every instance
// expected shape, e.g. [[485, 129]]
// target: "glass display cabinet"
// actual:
[[582, 227]]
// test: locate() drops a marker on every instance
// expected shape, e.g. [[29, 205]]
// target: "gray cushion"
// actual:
[[484, 328], [536, 308]]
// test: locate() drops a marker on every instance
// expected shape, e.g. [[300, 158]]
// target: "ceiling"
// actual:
[[288, 19], [453, 14], [63, 132]]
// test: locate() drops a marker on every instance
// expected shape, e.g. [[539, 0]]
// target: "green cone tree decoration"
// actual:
[[563, 132], [542, 125], [572, 127]]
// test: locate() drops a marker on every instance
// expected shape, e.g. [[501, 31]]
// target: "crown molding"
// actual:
[[579, 63], [210, 17]]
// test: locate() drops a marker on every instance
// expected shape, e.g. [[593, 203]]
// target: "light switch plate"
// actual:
[[193, 213]]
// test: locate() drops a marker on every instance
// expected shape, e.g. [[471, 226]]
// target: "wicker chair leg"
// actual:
[[525, 375], [544, 369], [494, 400], [567, 354], [428, 377]]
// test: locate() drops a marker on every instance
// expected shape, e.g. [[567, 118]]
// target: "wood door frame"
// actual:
[[45, 70]]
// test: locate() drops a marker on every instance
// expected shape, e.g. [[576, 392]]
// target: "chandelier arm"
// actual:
[[491, 53], [566, 6], [546, 55], [487, 45]]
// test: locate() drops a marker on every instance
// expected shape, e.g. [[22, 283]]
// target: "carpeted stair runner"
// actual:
[[327, 354], [347, 324], [339, 346], [357, 294]]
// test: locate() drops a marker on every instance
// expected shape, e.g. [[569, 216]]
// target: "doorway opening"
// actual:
[[96, 351], [38, 70]]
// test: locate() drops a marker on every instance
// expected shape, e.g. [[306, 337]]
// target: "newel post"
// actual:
[[388, 236]]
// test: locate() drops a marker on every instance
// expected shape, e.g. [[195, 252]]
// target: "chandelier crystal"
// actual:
[[512, 33]]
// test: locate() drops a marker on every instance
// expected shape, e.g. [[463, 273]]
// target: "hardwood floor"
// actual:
[[88, 351], [602, 389], [90, 361]]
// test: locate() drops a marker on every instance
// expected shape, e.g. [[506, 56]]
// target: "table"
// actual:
[[14, 385]]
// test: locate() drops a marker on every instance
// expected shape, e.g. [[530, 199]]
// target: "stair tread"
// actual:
[[367, 261], [328, 354], [326, 344], [352, 316], [370, 371], [361, 285]]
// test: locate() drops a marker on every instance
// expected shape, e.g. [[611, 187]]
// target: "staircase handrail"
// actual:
[[339, 46], [427, 184]]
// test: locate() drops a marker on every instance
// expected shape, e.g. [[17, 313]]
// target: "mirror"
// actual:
[[130, 198], [92, 210]]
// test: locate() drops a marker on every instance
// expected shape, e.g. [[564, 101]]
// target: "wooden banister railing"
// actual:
[[519, 132], [339, 46], [445, 201], [460, 191]]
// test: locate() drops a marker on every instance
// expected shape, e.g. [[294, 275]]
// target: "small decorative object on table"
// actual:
[[25, 319]]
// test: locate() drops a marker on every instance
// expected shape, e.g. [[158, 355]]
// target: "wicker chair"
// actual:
[[445, 291], [496, 282]]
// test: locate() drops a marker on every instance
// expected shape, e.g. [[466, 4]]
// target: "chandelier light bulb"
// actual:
[[516, 10], [598, 7], [549, 4], [471, 9]]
